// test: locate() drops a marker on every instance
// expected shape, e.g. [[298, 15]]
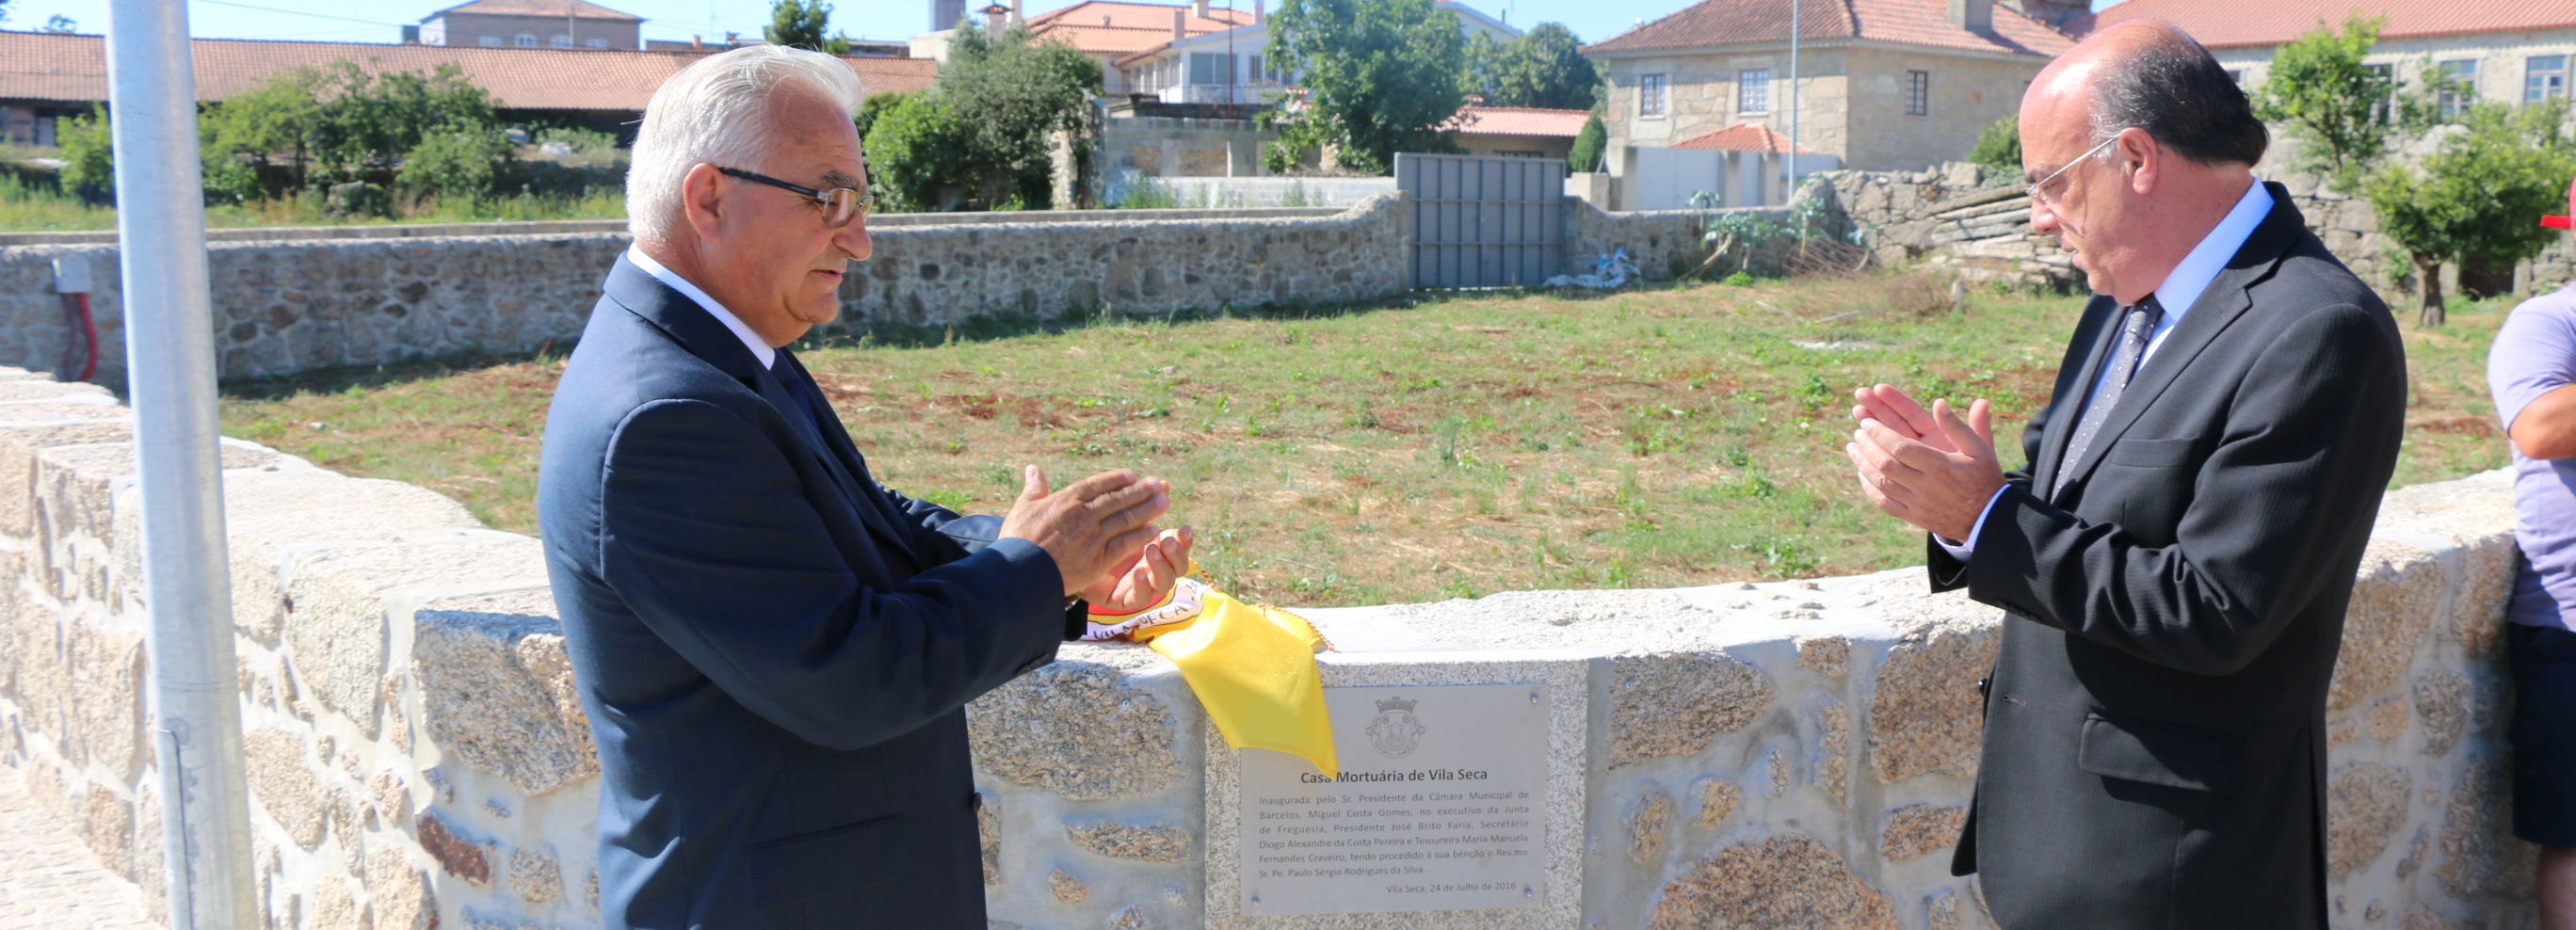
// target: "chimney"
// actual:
[[1199, 8], [996, 18], [1258, 16], [1973, 15], [1016, 18], [697, 44], [1180, 24]]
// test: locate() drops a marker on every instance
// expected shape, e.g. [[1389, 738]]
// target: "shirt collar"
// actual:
[[2183, 286], [750, 340]]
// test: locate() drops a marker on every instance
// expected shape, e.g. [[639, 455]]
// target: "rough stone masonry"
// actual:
[[1766, 756]]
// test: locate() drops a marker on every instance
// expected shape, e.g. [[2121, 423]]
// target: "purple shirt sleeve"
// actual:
[[2534, 354]]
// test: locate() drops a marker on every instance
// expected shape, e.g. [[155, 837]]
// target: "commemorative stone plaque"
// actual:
[[1440, 805]]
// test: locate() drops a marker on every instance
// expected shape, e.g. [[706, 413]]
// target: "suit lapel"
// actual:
[[834, 445], [2218, 307], [703, 336], [2052, 446]]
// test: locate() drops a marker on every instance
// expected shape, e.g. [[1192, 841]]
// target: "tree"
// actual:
[[2333, 105], [1009, 93], [1588, 145], [2474, 200], [915, 161], [800, 23], [1543, 68], [1999, 146], [876, 105], [1380, 76]]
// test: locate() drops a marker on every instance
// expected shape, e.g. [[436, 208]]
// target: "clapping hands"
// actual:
[[1927, 467]]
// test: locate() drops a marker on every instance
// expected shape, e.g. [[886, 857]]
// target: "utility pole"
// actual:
[[170, 377]]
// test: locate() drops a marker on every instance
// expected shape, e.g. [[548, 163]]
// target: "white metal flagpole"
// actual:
[[170, 377], [1789, 159]]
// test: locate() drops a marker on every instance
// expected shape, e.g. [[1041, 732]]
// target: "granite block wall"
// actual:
[[284, 306], [1949, 218], [1791, 754]]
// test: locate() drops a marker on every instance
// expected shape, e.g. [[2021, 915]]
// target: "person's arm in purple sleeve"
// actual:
[[2532, 370]]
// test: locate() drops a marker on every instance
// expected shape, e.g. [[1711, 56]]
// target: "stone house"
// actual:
[[2505, 52], [1880, 84], [531, 24]]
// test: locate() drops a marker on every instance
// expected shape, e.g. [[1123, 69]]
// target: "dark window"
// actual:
[[1918, 93]]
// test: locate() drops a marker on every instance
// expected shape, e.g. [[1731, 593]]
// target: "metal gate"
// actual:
[[1483, 221]]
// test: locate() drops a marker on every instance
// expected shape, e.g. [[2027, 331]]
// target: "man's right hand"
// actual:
[[1091, 527]]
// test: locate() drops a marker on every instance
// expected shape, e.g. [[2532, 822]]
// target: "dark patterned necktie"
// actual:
[[2137, 325]]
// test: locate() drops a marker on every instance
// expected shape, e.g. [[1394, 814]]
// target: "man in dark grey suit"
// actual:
[[2175, 559]]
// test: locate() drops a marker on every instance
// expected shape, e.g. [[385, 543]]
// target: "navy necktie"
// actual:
[[2137, 326], [795, 386]]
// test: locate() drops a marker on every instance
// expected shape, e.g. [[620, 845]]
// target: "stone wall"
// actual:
[[293, 305], [1950, 219], [1778, 755]]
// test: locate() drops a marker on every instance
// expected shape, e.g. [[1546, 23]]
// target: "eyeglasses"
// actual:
[[2036, 196], [839, 204]]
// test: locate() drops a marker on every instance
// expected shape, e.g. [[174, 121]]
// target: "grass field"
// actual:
[[1441, 446]]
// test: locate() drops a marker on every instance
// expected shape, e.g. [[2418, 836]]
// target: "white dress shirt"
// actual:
[[2182, 287], [750, 340]]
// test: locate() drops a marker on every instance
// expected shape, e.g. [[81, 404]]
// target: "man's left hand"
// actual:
[[1939, 490], [1146, 576]]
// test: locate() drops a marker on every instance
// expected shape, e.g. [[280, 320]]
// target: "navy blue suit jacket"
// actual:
[[774, 649]]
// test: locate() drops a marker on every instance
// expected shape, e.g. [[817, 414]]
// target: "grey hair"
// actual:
[[719, 111], [2174, 89]]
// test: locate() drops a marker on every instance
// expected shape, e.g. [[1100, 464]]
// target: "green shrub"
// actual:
[[1999, 146], [1588, 146], [915, 157], [89, 159], [1738, 279], [454, 162]]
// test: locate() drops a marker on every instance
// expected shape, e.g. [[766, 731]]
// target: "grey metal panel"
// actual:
[[1484, 221]]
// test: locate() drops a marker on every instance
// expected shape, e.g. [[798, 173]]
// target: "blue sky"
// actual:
[[375, 20]]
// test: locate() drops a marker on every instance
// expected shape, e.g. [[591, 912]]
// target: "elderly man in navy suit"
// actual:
[[775, 650]]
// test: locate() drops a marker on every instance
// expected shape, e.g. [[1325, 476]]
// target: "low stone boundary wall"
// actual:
[[286, 306], [1779, 755], [1950, 218]]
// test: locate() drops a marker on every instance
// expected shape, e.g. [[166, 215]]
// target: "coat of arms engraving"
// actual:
[[1396, 732]]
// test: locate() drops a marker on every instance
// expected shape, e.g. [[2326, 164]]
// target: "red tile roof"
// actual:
[[1518, 121], [1741, 137], [2229, 23], [556, 8], [1711, 23], [1108, 26], [73, 68]]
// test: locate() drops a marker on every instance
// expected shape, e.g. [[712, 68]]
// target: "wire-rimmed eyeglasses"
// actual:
[[840, 204], [2036, 196]]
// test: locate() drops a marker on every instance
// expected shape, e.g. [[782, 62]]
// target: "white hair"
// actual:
[[720, 111]]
